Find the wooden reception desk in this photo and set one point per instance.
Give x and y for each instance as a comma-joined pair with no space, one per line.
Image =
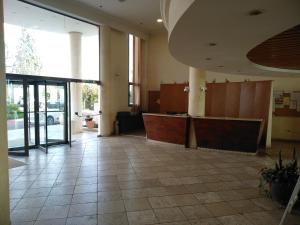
167,128
233,134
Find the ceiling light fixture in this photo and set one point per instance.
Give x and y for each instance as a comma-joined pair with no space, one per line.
255,12
159,20
207,59
212,44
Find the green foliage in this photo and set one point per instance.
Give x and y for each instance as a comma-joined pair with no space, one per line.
89,96
280,174
14,112
26,60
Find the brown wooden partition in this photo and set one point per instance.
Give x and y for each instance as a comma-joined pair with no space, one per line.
173,99
228,133
249,100
154,101
167,128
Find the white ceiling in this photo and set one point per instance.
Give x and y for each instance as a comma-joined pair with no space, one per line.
28,16
234,32
142,13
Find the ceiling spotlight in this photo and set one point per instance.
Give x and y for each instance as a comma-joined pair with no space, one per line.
255,12
207,59
212,44
159,20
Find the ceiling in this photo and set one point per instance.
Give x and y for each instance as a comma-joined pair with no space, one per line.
142,13
219,38
28,16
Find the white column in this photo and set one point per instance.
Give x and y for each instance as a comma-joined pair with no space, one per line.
197,82
4,193
75,50
106,120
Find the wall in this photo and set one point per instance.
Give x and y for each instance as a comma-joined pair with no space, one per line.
119,71
4,194
163,68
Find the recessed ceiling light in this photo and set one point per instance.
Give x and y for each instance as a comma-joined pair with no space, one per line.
208,59
220,66
212,44
255,12
159,20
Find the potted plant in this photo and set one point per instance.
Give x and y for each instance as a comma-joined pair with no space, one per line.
279,182
89,122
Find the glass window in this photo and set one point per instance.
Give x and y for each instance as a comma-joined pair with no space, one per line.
41,42
134,70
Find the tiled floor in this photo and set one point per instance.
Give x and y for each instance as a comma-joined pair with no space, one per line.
127,180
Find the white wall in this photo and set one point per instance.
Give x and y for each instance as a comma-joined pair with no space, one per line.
163,68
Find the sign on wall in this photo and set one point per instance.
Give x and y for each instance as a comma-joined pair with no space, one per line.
286,103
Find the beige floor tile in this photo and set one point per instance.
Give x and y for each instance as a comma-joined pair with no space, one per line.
162,202
141,217
111,207
265,203
137,204
196,188
196,212
244,206
230,195
169,215
208,197
220,209
234,220
208,221
113,219
186,199
261,218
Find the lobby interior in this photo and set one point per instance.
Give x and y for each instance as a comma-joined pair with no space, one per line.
190,100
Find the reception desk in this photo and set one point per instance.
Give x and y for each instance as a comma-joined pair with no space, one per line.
233,134
167,128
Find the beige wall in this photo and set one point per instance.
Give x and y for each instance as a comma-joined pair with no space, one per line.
4,194
119,71
163,68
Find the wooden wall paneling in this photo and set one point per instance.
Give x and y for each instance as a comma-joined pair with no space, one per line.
247,100
208,99
153,101
218,99
232,103
280,51
173,99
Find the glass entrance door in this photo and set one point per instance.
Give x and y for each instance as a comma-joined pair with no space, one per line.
41,114
56,115
16,117
51,114
37,113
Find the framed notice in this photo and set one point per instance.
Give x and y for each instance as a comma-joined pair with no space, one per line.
286,103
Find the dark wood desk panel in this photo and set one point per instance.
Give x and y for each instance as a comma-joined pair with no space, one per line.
228,133
167,128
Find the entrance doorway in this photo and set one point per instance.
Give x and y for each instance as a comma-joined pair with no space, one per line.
37,114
